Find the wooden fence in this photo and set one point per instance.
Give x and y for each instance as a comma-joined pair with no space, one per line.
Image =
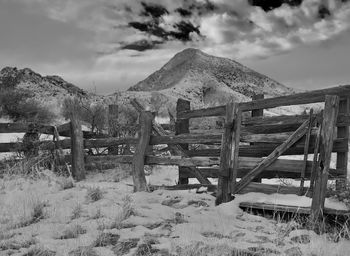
245,147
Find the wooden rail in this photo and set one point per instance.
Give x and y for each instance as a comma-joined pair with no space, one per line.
294,99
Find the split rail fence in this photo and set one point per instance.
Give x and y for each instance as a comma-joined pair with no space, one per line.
245,149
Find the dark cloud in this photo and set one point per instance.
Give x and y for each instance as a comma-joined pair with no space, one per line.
269,5
183,12
142,45
323,12
151,28
153,10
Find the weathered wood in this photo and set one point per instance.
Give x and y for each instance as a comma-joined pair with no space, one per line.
279,169
23,128
182,126
112,127
315,165
343,132
177,149
229,153
306,153
186,139
257,113
77,149
108,142
138,162
288,208
327,137
297,99
252,187
273,156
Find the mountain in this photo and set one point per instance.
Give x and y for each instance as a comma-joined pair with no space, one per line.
42,86
208,80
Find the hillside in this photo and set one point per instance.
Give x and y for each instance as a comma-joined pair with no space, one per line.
49,90
209,81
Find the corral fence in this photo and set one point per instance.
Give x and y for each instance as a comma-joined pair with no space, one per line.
241,151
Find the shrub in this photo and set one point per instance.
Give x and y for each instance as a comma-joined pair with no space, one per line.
39,251
77,211
94,194
83,251
20,106
73,232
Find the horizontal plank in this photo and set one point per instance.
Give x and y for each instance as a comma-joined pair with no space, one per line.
24,127
297,98
340,145
267,174
294,99
289,208
186,138
252,187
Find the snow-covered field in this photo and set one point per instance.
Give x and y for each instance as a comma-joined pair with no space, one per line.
102,216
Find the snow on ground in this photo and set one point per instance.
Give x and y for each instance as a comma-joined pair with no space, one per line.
120,222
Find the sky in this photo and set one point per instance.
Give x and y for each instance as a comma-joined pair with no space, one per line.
106,46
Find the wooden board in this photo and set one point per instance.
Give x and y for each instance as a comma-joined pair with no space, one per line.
288,208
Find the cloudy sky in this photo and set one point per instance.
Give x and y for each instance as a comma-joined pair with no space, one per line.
109,45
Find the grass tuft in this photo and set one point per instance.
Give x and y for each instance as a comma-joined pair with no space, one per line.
94,194
83,251
39,251
73,232
106,239
77,211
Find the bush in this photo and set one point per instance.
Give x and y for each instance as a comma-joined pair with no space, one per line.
94,194
93,114
20,106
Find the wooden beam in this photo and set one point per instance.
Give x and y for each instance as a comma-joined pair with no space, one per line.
289,208
294,99
23,128
138,162
77,149
229,153
327,136
343,132
273,156
182,126
306,153
297,99
177,149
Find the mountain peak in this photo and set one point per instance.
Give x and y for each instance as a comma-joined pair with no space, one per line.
200,77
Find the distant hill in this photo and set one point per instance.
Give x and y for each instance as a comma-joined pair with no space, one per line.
208,80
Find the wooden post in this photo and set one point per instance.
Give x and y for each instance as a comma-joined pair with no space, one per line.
306,153
342,157
327,136
182,126
138,162
77,149
229,153
112,121
257,112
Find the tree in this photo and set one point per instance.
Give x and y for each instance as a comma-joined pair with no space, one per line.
22,107
93,114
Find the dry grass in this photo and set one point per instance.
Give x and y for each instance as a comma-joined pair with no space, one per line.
77,211
72,232
37,213
106,239
39,251
126,211
83,251
94,194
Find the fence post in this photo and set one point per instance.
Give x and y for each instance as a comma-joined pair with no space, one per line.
327,136
342,157
77,149
255,113
182,126
112,121
229,153
138,162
